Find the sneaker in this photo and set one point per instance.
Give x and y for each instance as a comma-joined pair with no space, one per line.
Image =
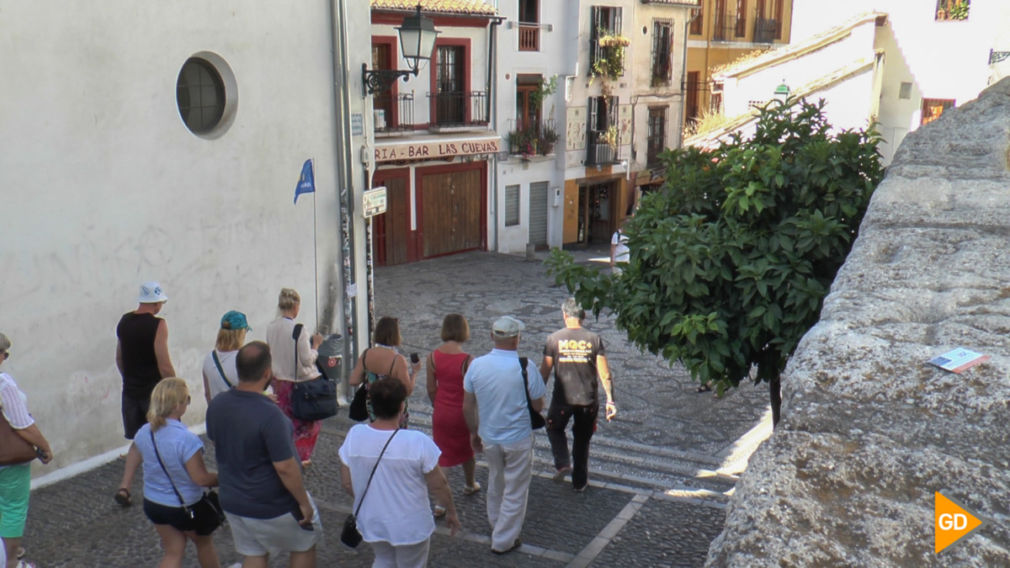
581,489
561,472
24,564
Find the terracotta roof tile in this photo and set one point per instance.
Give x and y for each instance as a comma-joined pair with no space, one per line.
468,7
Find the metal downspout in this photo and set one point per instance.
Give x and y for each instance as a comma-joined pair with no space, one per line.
342,158
492,79
683,81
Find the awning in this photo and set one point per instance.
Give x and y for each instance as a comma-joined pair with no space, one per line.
433,147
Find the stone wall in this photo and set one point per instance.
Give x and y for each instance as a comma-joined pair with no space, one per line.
869,430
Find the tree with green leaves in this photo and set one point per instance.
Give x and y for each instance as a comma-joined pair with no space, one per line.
731,259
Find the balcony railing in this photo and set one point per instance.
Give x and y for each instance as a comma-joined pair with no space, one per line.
765,31
529,37
601,154
729,28
459,108
404,112
530,138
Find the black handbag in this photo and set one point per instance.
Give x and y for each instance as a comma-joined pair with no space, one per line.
206,513
359,407
536,419
350,535
315,399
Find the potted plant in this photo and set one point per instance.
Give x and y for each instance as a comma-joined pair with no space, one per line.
610,63
548,137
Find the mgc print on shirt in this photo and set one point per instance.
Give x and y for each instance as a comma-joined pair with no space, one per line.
574,351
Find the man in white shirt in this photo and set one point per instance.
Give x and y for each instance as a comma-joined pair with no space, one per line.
619,251
494,406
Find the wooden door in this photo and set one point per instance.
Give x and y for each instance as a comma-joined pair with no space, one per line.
451,212
391,230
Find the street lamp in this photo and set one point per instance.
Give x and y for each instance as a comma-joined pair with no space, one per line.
417,39
782,92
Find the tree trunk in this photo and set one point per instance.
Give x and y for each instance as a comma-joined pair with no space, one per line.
775,394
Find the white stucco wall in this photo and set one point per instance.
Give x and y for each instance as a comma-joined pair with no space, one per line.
105,187
548,62
739,90
942,59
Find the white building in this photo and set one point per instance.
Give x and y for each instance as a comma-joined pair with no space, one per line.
151,141
896,64
581,153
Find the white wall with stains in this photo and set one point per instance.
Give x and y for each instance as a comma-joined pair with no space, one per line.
102,186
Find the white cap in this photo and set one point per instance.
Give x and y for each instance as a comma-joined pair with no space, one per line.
151,293
507,326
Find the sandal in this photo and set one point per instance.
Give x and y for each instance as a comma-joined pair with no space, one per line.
471,489
123,497
704,388
439,511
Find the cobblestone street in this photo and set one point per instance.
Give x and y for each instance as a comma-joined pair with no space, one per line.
659,473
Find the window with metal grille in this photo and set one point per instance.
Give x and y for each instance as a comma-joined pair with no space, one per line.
662,42
511,205
199,92
605,20
656,140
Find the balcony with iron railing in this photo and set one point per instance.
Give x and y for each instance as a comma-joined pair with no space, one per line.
532,138
384,118
765,30
729,28
602,148
458,109
529,36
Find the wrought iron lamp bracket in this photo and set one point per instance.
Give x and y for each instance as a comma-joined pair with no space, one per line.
380,80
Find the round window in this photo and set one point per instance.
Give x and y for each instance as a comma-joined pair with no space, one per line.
200,93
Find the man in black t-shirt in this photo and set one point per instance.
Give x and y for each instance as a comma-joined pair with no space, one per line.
578,358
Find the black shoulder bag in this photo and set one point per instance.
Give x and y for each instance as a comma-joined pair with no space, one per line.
350,535
220,369
314,399
206,513
536,419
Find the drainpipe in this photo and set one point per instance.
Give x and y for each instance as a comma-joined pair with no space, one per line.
492,79
344,179
683,79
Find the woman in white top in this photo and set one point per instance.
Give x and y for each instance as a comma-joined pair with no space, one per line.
219,373
394,514
294,360
15,480
182,453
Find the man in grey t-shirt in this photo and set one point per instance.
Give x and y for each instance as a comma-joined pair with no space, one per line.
261,479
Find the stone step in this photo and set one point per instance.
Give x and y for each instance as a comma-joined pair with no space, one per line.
672,471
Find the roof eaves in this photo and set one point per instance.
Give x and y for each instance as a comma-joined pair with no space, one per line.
812,44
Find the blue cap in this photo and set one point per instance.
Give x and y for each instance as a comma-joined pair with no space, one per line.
234,320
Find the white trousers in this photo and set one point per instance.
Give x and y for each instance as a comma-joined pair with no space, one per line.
509,470
402,556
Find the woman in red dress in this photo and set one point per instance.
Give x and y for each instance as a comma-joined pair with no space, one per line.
445,369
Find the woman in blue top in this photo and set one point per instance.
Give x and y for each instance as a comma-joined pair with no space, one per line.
182,453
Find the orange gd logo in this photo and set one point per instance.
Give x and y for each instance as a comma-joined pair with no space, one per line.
951,521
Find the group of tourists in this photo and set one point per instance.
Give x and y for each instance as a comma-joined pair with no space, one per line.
489,404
